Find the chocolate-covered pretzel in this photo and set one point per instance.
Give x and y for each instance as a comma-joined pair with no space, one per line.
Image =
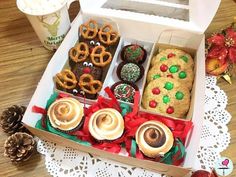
100,57
66,79
89,85
107,35
89,30
79,53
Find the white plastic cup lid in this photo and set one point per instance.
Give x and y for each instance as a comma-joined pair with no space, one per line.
40,7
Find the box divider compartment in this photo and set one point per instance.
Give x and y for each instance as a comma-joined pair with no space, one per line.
190,51
105,69
113,78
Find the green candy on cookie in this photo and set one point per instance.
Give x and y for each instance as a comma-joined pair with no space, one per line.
156,76
174,69
166,99
182,75
179,95
184,58
169,86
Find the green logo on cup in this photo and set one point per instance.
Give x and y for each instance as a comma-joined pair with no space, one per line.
52,27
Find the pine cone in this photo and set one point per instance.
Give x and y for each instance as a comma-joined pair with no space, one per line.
10,119
19,147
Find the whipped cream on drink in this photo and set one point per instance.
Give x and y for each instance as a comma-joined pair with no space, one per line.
40,7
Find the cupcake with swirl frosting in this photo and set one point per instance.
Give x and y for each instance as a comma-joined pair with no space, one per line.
66,114
154,138
106,124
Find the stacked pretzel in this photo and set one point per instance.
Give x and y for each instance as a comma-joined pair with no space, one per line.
87,58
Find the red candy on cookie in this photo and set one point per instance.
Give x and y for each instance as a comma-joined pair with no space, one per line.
170,75
167,96
170,110
153,104
156,91
163,68
171,55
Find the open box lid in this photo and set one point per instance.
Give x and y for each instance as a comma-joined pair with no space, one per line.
191,15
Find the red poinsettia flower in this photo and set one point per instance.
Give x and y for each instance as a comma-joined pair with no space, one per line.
223,46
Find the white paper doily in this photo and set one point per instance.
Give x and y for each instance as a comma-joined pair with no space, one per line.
215,136
67,162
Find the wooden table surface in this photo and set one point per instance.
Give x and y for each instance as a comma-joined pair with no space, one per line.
23,60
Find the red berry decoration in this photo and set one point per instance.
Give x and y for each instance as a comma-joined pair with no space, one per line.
163,68
202,173
171,55
153,104
156,91
86,70
170,75
170,110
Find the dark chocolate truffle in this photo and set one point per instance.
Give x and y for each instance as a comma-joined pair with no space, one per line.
130,72
124,91
134,53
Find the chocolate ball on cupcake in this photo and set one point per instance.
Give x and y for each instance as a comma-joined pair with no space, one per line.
124,91
154,139
106,124
66,114
133,53
130,72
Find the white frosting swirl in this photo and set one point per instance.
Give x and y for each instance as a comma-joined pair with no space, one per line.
106,124
65,113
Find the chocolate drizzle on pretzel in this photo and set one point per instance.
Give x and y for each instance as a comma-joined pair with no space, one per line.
89,30
66,79
100,57
107,35
89,85
79,53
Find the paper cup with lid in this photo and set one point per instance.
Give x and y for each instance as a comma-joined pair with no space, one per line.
49,18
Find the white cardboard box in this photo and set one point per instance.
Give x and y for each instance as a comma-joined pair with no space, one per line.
142,27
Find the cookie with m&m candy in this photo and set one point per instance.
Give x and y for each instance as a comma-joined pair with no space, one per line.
169,54
173,68
166,96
